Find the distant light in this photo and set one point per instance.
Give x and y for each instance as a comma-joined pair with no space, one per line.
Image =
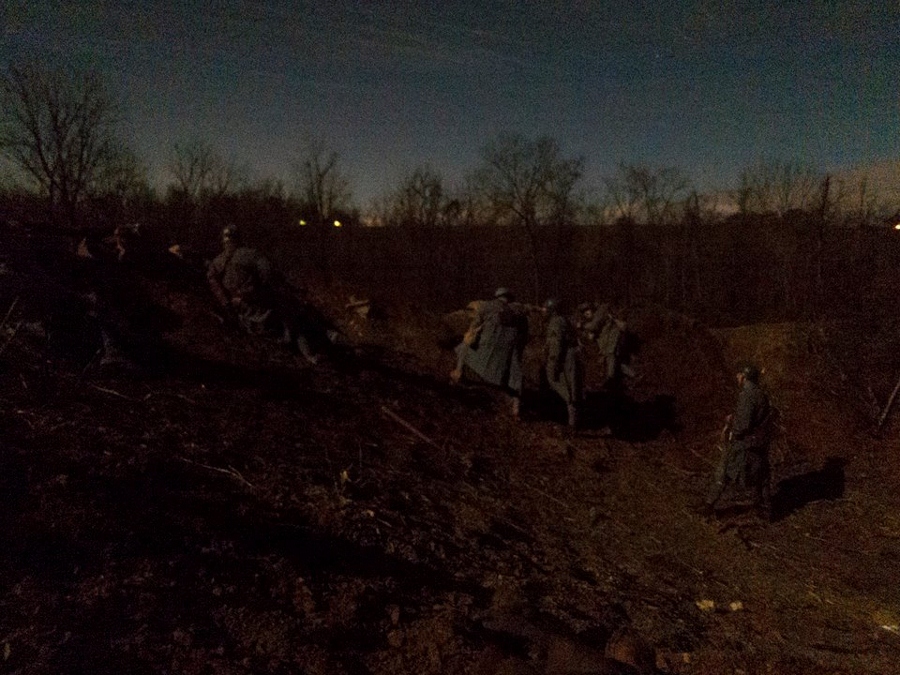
897,226
337,223
302,222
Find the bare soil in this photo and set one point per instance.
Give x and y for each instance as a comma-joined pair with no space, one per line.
218,506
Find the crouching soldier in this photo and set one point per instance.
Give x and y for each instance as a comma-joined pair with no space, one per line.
563,367
492,347
745,458
243,282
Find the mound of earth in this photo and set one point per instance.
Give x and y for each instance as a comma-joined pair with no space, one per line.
222,507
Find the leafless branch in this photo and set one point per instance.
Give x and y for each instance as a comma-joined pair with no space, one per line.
394,416
230,471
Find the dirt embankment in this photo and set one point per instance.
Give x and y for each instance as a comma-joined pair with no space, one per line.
224,508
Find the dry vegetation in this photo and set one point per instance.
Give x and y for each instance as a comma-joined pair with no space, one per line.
220,507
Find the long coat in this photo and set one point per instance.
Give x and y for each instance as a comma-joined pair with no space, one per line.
562,360
606,331
500,331
749,428
748,462
241,278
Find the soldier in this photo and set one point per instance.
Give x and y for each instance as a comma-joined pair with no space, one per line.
243,281
563,366
745,457
492,347
607,331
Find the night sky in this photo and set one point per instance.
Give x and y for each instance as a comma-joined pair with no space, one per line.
708,87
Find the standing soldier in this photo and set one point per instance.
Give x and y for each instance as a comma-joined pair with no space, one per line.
745,458
492,347
607,331
563,367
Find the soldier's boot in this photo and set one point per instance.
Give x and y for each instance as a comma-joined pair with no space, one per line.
573,415
516,407
306,351
456,375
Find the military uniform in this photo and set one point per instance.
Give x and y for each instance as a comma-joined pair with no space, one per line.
745,459
493,345
606,331
563,366
240,278
244,281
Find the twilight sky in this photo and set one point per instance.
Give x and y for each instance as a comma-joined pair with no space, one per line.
708,87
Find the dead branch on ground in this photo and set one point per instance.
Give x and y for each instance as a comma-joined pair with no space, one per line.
113,392
887,408
9,312
402,422
230,471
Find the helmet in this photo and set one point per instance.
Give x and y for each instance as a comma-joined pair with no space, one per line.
551,304
503,292
230,233
750,372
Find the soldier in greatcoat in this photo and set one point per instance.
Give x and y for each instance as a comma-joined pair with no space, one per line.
563,367
493,345
745,456
246,286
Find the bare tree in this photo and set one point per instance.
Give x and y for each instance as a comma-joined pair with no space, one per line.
859,203
419,200
778,187
124,176
322,186
529,184
200,173
58,128
647,195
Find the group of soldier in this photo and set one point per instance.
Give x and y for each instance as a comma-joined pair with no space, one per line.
492,348
251,295
243,283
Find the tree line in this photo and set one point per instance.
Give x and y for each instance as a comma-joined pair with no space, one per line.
773,246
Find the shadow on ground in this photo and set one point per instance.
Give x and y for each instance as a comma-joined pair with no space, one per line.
793,493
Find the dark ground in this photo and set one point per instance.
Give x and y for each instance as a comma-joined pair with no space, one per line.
221,507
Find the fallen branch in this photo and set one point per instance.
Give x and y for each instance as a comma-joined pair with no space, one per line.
230,471
548,496
9,312
168,393
887,408
87,367
399,420
113,392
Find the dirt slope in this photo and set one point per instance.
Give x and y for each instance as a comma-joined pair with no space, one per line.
223,508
